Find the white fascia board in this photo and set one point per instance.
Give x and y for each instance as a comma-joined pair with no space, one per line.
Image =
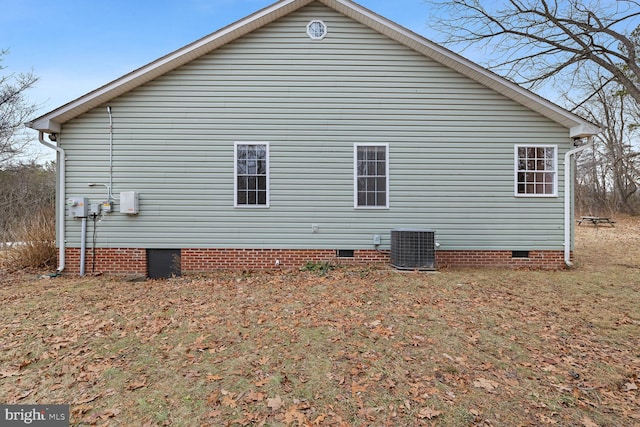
584,131
44,125
464,66
54,119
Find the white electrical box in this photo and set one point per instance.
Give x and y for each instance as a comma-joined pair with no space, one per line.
129,202
78,207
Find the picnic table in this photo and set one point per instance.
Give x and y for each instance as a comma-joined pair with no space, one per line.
595,220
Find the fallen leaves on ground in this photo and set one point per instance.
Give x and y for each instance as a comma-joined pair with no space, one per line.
486,384
351,347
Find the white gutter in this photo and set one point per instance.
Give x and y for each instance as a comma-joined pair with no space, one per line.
61,199
567,199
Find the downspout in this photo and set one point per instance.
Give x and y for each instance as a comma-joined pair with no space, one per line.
567,199
61,199
110,154
83,246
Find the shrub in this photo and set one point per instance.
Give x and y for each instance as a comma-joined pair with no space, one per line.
34,244
322,268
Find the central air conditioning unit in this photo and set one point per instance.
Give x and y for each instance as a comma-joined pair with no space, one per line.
413,249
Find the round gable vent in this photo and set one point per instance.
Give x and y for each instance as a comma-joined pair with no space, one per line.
316,29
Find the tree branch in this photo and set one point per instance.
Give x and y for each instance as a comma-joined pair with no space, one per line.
570,36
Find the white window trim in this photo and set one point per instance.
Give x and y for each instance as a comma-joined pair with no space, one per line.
555,170
355,174
235,175
312,35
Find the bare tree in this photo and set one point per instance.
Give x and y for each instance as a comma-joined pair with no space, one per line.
538,40
15,110
25,188
590,51
611,172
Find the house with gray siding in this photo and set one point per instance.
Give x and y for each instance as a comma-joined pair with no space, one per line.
312,131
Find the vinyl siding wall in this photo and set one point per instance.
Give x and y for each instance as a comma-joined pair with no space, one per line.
450,146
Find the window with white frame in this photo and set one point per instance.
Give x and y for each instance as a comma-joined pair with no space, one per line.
371,175
536,170
251,174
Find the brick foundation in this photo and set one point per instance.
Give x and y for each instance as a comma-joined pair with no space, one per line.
537,260
206,260
134,261
114,261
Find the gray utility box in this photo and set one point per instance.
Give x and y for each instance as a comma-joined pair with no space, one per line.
78,207
129,202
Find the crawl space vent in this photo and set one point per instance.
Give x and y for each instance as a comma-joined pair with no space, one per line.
413,249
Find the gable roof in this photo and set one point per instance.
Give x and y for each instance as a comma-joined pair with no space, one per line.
51,122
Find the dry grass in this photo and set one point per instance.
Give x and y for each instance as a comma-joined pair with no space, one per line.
354,347
35,247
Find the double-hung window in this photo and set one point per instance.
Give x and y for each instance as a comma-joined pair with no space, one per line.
371,175
252,174
536,170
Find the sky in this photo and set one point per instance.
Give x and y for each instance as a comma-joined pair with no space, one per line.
76,46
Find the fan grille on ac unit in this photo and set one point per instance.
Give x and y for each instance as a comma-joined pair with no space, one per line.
413,249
